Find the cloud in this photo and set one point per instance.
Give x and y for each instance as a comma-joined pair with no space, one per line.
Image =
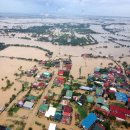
88,7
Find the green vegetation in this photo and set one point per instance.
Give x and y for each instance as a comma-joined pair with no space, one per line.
85,31
47,33
27,38
13,110
34,29
2,46
82,112
8,85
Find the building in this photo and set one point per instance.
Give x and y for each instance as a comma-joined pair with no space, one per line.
28,105
86,88
69,94
99,91
121,97
119,113
67,112
89,121
43,108
98,126
51,112
52,126
90,99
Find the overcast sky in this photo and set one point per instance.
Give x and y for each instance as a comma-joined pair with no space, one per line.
67,7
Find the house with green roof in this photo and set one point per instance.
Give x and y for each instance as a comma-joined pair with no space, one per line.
31,98
90,99
59,108
47,74
43,108
66,87
100,100
99,91
69,94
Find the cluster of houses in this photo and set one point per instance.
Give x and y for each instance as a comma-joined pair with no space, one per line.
65,63
60,113
108,84
28,102
63,73
42,80
50,63
31,72
127,71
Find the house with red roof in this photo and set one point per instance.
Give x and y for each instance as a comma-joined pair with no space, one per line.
67,112
38,85
105,112
119,113
61,72
60,80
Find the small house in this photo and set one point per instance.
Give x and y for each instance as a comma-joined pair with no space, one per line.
98,126
50,112
61,72
121,97
86,88
31,98
89,121
67,111
65,102
69,94
99,91
66,87
90,99
28,105
43,108
58,116
100,100
52,126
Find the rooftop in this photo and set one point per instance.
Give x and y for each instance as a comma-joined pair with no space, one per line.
89,121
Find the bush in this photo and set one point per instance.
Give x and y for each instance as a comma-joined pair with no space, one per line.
125,123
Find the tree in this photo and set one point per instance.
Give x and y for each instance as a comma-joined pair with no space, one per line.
112,96
112,118
107,125
30,128
125,123
63,129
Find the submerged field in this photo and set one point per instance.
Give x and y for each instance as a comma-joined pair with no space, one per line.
24,53
7,71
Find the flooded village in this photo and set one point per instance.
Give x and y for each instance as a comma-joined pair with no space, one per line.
48,83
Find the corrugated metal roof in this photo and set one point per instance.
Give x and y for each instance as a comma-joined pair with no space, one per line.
43,107
121,96
90,99
89,120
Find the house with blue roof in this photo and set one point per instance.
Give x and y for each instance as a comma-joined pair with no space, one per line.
89,121
121,97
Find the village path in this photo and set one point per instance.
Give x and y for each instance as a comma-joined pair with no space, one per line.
32,116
